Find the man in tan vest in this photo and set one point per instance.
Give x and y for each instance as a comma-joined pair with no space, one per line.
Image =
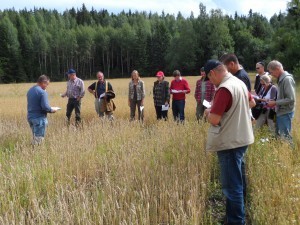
229,135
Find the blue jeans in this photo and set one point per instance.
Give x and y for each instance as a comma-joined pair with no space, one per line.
178,109
38,126
232,177
284,126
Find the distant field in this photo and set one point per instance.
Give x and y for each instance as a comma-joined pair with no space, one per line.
131,173
14,98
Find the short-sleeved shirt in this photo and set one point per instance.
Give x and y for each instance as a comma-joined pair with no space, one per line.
223,101
75,88
101,86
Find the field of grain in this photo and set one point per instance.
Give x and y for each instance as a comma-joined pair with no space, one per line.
131,173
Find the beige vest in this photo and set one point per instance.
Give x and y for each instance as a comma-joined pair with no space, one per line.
235,128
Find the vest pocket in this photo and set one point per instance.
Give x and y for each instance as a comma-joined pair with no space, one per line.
215,129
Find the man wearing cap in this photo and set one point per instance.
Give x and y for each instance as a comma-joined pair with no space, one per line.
161,96
179,88
103,91
229,135
204,91
75,92
37,109
285,103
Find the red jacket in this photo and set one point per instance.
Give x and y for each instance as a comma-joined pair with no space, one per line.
179,85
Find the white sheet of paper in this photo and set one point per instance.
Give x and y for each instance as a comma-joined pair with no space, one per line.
55,108
164,107
102,95
141,108
206,104
176,91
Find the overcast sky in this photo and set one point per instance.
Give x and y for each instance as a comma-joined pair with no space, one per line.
266,7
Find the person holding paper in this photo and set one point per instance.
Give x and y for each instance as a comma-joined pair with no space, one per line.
179,88
285,102
161,96
204,91
229,135
136,96
75,92
267,93
37,109
99,90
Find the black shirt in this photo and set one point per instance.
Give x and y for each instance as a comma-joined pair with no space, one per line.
243,76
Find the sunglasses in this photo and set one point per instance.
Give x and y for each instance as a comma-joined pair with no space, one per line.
257,68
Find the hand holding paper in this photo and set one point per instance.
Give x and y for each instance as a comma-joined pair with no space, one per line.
206,104
165,107
55,108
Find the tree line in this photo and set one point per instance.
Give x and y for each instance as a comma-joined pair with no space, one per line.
40,41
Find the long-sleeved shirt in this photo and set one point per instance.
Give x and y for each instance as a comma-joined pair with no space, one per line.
75,88
286,95
37,103
161,93
176,88
204,90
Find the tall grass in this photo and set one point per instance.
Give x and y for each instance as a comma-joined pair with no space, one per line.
127,172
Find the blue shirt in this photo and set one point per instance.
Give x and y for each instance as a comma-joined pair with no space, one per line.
37,103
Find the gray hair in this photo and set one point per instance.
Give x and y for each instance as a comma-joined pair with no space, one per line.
266,79
43,78
176,73
274,64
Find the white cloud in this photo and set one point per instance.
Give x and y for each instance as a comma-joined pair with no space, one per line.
266,7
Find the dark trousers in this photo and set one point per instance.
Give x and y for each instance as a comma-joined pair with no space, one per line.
178,109
200,110
161,114
133,105
73,104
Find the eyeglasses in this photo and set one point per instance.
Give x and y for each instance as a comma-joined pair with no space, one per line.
257,68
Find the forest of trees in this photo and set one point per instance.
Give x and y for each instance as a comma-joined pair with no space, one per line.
40,41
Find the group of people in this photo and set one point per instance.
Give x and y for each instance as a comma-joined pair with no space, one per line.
224,84
231,130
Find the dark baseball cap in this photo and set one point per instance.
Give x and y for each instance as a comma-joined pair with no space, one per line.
211,64
71,71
